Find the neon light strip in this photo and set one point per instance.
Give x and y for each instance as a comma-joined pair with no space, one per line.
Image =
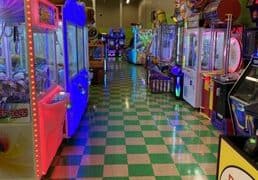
34,112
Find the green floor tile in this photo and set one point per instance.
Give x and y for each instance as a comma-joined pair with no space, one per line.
133,134
131,122
161,158
162,122
193,122
144,117
98,134
130,113
99,122
136,149
101,113
211,177
115,159
142,109
115,128
168,178
94,150
116,178
115,141
189,169
115,118
205,158
157,113
213,147
140,170
192,140
177,149
90,171
148,128
154,141
204,133
168,134
115,109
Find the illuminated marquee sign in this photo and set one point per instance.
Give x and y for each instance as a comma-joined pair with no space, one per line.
44,14
47,14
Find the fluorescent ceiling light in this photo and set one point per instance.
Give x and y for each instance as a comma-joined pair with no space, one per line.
127,1
251,79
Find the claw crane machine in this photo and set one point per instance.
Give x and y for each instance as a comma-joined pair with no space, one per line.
213,51
220,116
33,105
192,69
73,61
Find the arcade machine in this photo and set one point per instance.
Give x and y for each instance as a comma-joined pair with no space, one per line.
73,65
223,83
116,42
232,65
243,96
97,59
193,66
176,71
213,56
139,44
167,44
33,105
242,148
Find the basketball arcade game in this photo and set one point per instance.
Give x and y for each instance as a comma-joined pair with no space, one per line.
75,39
33,105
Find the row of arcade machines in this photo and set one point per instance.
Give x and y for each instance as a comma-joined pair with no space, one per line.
204,60
43,81
242,107
200,77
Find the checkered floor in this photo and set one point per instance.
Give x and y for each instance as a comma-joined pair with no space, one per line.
129,133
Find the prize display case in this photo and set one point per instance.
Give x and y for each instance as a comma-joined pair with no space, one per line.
33,105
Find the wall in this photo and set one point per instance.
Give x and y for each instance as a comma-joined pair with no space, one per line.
107,13
147,6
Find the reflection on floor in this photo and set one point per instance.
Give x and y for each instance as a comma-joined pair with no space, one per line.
129,133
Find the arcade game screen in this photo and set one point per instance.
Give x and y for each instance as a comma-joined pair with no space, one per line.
247,89
44,61
71,42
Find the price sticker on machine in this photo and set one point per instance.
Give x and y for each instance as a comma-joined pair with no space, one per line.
14,113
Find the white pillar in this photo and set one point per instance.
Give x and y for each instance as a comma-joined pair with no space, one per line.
121,13
94,8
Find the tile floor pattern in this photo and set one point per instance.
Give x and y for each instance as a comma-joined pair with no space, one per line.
129,133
